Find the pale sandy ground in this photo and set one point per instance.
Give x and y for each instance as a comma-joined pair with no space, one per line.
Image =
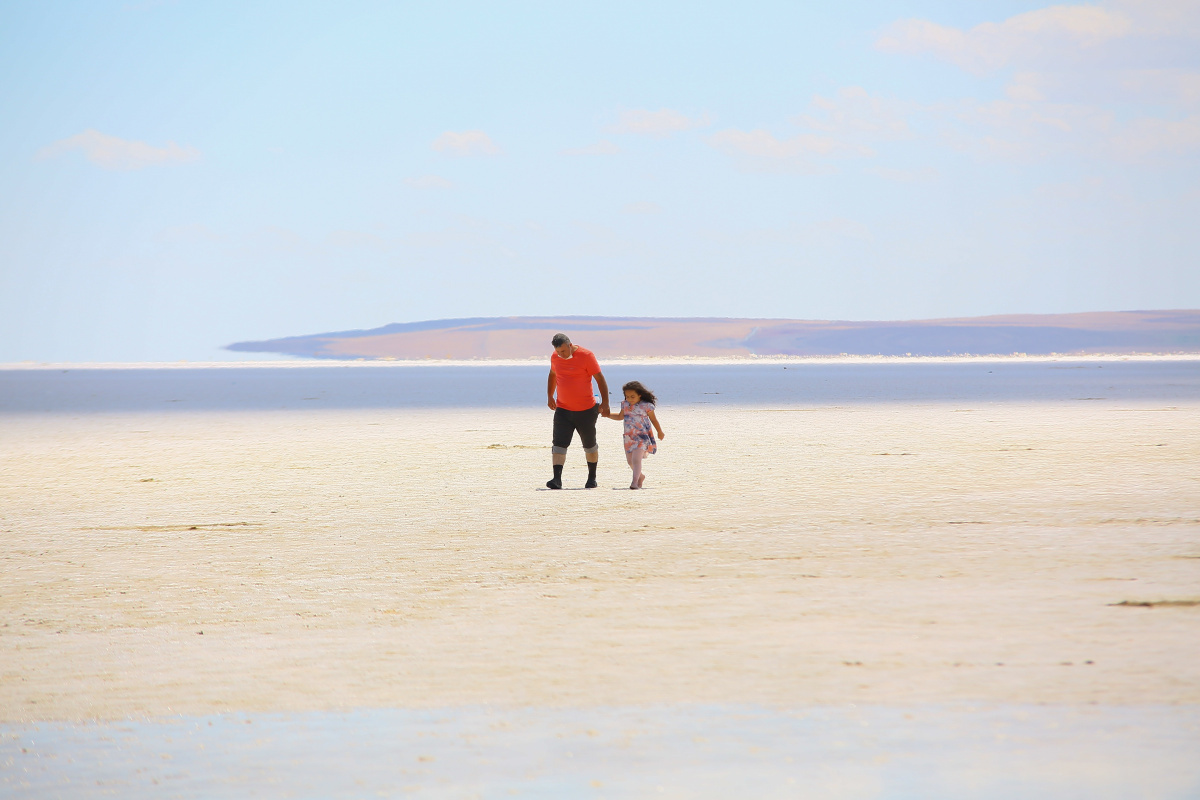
196,563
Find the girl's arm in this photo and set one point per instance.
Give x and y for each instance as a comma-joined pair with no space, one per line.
657,427
618,414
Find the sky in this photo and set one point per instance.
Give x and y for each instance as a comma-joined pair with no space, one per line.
178,176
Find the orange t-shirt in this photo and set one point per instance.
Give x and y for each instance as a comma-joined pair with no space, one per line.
573,377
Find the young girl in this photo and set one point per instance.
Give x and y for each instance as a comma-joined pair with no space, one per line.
637,409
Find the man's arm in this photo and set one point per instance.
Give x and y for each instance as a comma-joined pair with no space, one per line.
603,384
551,382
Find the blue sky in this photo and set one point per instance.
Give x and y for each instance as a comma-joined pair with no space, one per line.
177,176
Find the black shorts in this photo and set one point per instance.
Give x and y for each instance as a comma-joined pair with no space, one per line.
567,422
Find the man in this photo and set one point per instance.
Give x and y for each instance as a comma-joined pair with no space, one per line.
571,371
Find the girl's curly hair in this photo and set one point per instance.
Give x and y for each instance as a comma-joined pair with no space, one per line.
644,393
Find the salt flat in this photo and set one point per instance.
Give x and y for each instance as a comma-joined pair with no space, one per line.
901,554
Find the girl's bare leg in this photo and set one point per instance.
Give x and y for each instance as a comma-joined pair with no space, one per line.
635,461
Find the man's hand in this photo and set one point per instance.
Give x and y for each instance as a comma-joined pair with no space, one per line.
553,405
602,385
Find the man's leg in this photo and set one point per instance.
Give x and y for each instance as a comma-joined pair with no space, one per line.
587,436
564,430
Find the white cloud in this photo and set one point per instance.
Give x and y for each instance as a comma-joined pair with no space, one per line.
990,46
1176,87
853,112
465,143
1034,118
1114,80
837,127
659,124
1025,130
642,207
1124,50
1162,18
1148,88
762,150
600,148
1149,136
903,175
1036,130
113,153
429,182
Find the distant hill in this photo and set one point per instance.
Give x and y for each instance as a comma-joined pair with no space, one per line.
524,337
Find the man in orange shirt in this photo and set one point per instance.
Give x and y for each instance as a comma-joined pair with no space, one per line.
572,369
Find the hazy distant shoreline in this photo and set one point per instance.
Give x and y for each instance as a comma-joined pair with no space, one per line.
308,363
678,382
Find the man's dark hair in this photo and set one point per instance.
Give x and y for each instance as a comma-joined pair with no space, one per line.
560,339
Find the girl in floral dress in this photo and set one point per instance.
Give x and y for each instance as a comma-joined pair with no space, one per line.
637,409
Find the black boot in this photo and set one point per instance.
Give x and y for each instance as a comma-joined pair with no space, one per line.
591,481
556,481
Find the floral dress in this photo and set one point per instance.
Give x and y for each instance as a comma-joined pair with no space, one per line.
639,433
